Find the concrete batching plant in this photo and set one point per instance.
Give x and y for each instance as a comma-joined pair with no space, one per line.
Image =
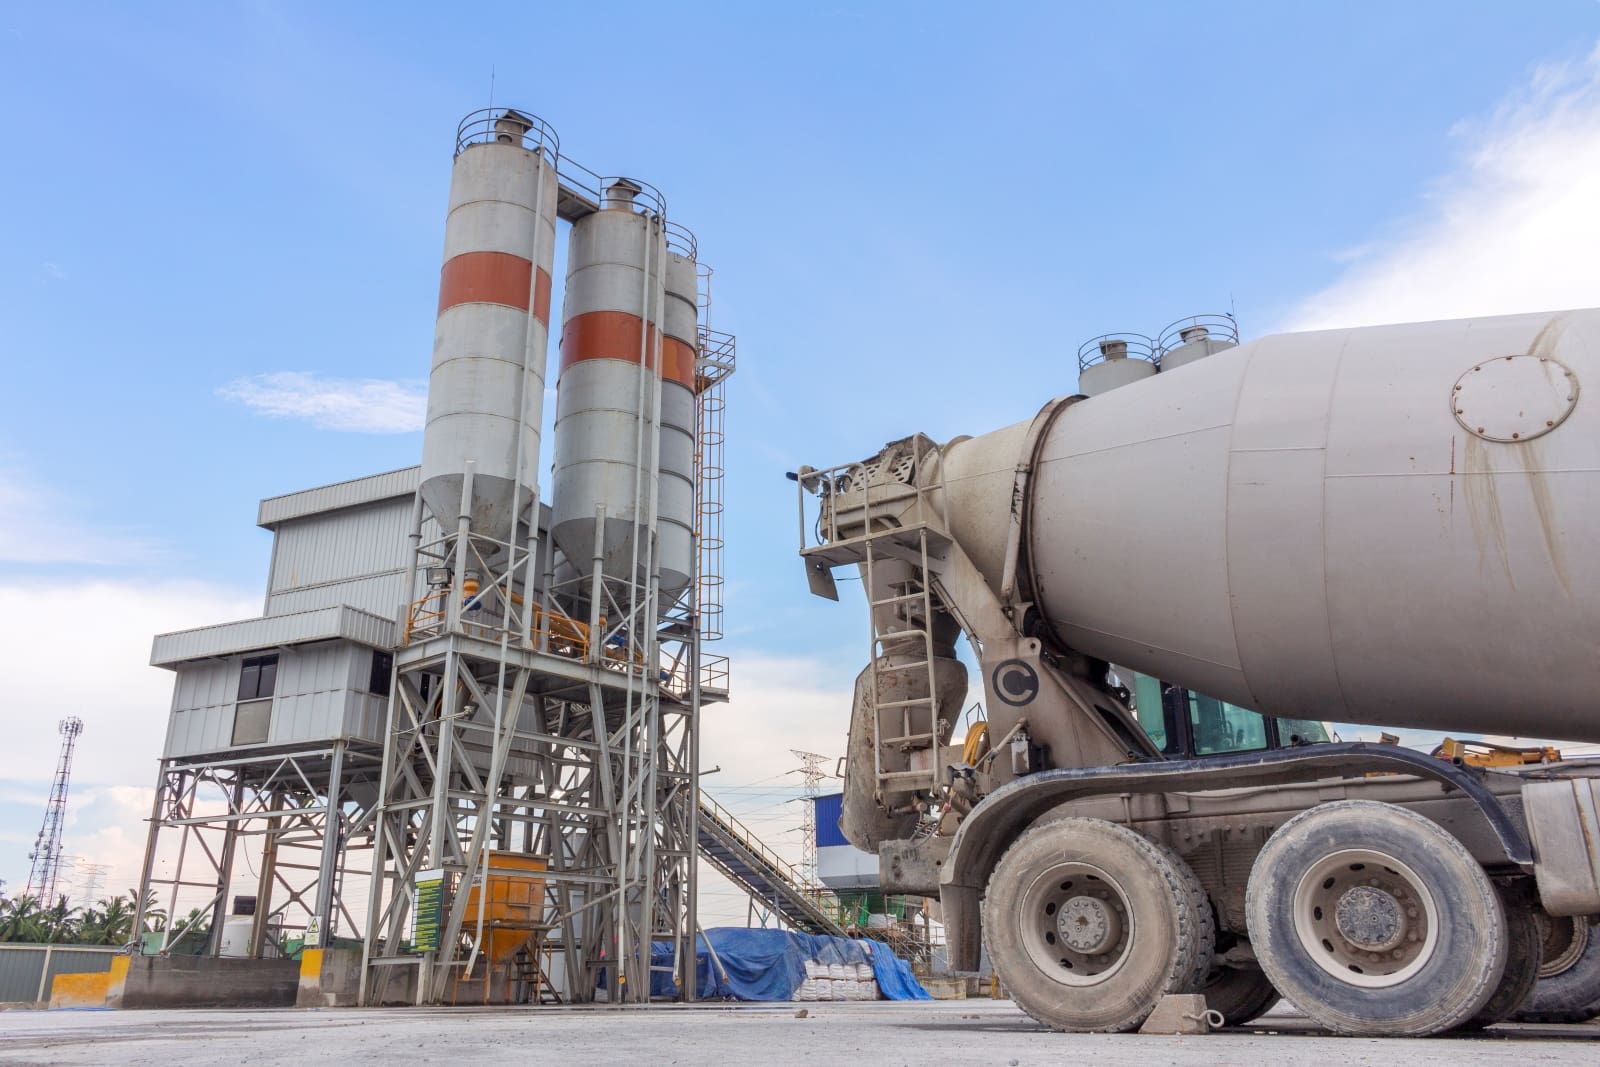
481,709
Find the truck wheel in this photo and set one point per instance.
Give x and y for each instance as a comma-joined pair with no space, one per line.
1241,994
1523,948
1374,921
1568,990
1089,924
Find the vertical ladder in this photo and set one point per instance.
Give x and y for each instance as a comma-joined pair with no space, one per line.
909,724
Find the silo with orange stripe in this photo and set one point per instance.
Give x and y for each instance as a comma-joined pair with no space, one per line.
625,280
486,391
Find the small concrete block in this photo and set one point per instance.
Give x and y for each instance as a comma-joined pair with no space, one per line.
1179,1013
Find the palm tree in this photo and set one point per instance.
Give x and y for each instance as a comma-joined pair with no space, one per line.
59,924
20,919
155,917
109,924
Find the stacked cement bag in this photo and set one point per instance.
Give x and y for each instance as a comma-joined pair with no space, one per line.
817,984
837,981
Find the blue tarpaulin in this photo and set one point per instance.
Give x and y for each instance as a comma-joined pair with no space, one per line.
771,964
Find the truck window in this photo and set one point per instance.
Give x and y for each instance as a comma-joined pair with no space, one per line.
1222,727
1302,732
1147,706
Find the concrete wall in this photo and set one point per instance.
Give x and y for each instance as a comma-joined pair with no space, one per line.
202,982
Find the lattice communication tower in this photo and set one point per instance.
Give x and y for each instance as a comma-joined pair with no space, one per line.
46,854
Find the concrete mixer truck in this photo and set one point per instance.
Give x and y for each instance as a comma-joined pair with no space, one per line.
1393,526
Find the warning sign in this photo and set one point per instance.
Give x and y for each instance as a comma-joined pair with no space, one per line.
429,911
313,938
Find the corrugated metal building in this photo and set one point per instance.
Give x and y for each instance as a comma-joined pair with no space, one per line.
315,667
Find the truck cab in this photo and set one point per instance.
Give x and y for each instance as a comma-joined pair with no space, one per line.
1185,724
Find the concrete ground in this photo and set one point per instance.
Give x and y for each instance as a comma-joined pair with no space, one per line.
881,1034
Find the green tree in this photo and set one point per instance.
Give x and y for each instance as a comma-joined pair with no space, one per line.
155,916
111,923
20,919
59,922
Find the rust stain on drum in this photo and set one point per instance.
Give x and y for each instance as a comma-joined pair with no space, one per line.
1483,505
1544,506
1548,337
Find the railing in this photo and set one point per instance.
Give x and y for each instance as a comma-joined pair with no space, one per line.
819,896
829,484
617,192
1222,328
1136,346
508,126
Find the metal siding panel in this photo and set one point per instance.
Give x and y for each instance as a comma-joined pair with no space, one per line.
20,967
365,716
380,595
202,706
353,543
272,631
354,493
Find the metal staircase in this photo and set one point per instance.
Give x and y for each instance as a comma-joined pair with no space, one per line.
736,852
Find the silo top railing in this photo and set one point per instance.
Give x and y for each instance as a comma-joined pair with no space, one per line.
499,125
1222,328
1138,346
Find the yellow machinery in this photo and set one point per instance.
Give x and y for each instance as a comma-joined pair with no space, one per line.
511,954
1490,754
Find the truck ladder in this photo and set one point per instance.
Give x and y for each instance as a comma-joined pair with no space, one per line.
909,724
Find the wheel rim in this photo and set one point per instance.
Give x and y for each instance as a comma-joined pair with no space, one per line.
1365,918
1076,924
1564,943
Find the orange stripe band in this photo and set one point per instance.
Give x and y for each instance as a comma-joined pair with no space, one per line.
493,278
616,335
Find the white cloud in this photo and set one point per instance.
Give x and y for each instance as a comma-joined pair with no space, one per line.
40,527
357,405
1514,228
55,272
778,703
108,683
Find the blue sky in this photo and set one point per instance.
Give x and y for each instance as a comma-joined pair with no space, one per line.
916,213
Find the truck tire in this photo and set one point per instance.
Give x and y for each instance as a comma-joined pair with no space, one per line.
1374,921
1089,924
1568,990
1240,994
1523,947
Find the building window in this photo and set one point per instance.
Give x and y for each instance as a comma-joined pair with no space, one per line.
258,677
382,667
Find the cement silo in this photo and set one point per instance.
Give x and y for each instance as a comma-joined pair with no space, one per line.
627,277
486,390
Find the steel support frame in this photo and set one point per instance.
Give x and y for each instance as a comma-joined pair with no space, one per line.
489,750
206,811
